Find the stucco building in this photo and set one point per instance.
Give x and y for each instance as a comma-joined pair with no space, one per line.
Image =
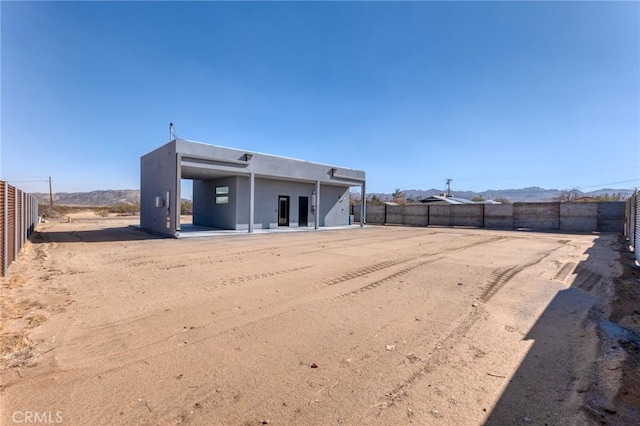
242,190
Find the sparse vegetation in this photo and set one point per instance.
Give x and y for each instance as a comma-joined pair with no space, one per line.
568,195
59,210
575,195
398,196
616,196
186,207
477,199
374,199
503,200
354,197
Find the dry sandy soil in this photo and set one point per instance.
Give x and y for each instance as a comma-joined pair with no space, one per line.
104,324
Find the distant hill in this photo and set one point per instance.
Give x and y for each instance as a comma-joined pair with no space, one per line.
93,198
531,194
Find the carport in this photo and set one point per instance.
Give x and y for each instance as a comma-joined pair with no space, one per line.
240,190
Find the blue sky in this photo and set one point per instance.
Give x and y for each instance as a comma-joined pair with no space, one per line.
494,95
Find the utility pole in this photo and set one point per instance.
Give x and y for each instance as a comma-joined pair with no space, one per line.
50,196
449,187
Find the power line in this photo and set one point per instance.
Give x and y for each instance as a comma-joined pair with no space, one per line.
610,183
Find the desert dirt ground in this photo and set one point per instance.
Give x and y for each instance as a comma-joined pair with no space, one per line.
105,324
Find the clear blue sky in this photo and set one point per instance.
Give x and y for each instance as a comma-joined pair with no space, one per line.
494,95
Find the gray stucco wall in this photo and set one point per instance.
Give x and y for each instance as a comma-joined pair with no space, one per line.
158,174
206,211
267,192
334,205
270,165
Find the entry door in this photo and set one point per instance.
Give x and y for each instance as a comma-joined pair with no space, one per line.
283,210
303,211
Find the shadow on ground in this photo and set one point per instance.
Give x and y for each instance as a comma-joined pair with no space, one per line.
125,233
579,358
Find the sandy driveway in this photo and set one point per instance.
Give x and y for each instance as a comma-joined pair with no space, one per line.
405,325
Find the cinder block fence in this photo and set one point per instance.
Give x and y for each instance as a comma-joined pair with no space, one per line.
18,218
553,216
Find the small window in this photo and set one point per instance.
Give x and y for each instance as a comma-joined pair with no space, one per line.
222,200
221,190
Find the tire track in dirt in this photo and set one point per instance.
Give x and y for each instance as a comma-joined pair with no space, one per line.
437,357
562,274
130,355
396,274
501,277
367,270
238,280
586,279
373,268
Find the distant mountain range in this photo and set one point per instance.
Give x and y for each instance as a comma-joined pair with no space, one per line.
532,194
93,198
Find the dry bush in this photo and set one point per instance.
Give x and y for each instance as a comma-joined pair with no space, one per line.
16,350
125,209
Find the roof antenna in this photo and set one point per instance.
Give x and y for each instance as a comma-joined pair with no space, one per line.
449,187
172,132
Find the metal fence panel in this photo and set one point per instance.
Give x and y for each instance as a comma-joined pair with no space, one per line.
18,217
3,227
636,224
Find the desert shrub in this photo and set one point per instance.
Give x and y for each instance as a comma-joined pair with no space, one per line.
125,208
186,207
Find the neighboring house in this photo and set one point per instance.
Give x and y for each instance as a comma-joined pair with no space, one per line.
441,199
242,190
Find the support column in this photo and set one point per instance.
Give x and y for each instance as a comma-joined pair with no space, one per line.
252,185
363,204
317,221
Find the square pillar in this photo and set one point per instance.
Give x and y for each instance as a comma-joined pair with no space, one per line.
317,221
252,186
363,204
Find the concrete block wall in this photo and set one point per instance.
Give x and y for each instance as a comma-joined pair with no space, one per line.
467,215
440,215
498,216
415,215
611,216
569,217
395,215
578,217
536,216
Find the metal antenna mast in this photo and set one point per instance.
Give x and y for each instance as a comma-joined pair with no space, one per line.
449,187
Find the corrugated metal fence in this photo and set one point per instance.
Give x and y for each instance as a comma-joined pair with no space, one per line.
18,218
632,222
